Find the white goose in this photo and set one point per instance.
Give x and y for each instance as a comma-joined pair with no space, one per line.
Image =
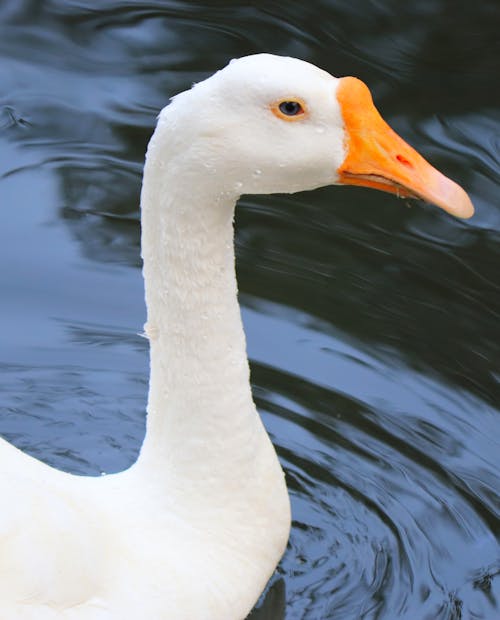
195,528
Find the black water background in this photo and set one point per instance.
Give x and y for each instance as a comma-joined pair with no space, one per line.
372,328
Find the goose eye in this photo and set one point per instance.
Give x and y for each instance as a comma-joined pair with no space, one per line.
290,108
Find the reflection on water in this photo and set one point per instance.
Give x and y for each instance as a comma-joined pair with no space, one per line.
372,327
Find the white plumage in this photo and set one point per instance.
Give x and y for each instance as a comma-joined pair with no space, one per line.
195,528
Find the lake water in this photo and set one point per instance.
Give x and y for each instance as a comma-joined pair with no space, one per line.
373,328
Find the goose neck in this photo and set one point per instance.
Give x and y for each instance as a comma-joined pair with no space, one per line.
200,408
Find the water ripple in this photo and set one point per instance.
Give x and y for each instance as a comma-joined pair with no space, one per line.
372,327
388,515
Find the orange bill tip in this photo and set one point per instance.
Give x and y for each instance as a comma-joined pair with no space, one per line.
377,157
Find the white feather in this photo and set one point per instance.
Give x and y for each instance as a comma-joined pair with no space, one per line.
195,528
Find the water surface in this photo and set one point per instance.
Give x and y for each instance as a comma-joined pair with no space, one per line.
372,327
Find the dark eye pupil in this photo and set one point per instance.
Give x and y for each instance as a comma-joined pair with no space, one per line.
290,108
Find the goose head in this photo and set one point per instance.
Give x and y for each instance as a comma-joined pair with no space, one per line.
267,124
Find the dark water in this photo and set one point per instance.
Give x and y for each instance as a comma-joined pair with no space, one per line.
373,328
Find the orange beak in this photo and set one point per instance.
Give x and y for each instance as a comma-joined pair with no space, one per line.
377,157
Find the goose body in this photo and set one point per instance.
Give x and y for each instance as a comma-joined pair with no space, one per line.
195,528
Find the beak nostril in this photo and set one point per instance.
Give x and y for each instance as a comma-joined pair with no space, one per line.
404,161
